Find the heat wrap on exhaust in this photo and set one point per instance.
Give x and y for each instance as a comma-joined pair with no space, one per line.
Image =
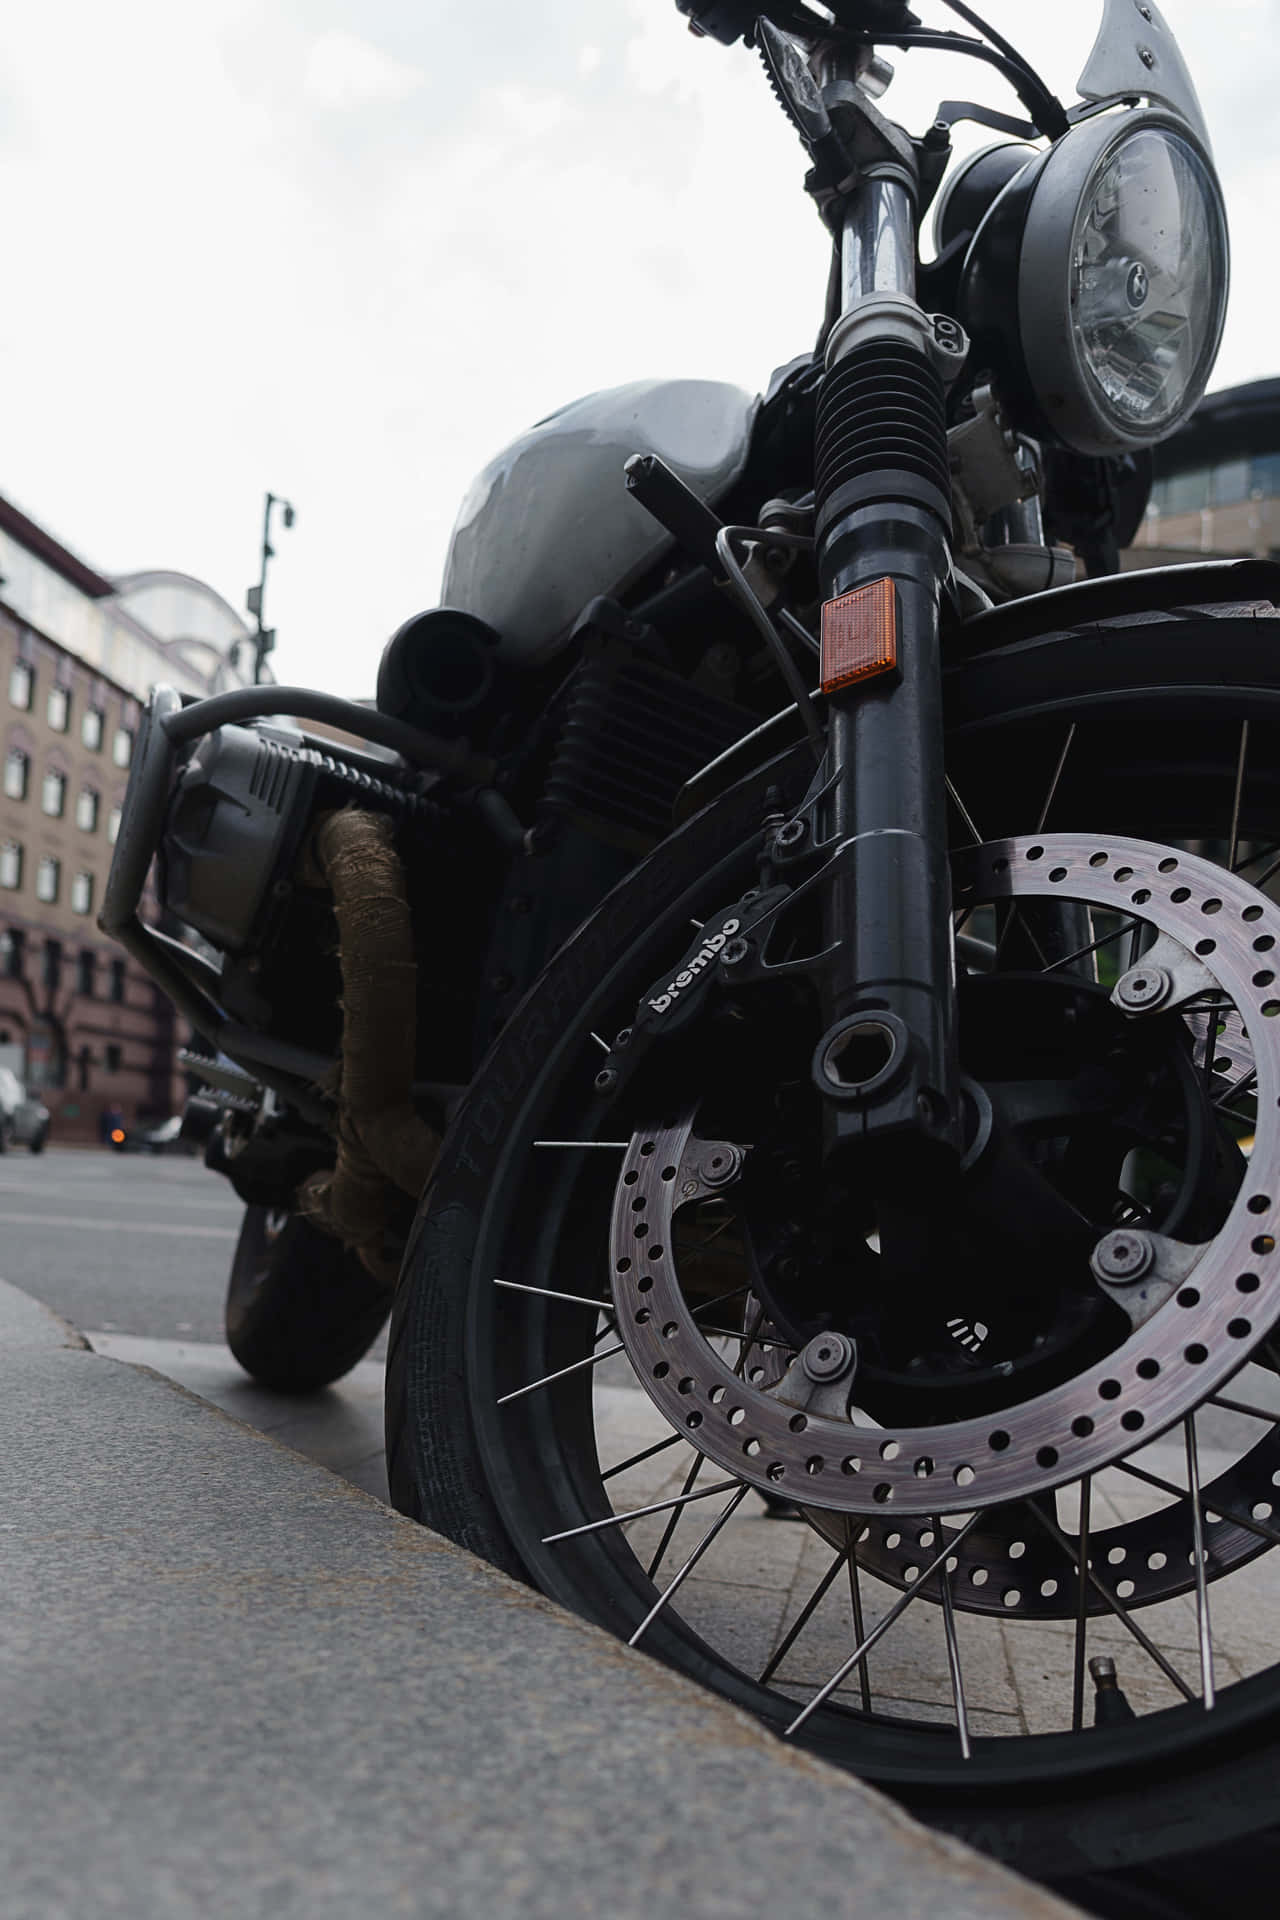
383,1145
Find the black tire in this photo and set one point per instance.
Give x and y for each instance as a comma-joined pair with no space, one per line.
40,1140
300,1310
1162,708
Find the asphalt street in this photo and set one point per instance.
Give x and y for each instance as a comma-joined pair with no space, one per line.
126,1243
134,1250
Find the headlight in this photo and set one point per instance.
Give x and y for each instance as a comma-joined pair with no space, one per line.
1116,243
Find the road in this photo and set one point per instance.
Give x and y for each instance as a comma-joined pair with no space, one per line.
126,1243
134,1251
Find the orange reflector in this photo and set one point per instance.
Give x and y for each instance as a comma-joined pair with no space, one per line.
117,1135
859,635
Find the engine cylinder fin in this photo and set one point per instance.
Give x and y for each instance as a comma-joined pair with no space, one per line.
632,736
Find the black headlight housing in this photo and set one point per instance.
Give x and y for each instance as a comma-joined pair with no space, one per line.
1096,283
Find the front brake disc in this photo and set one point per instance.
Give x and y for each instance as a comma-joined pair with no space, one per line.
1226,1301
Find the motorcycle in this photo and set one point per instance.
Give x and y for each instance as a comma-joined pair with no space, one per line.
782,999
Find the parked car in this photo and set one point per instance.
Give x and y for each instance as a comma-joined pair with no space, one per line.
23,1121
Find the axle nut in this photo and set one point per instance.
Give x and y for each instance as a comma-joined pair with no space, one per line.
1143,988
1123,1256
828,1356
721,1166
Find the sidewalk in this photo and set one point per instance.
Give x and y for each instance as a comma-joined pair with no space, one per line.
236,1684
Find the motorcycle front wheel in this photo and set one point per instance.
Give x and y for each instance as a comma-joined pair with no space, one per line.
1075,1670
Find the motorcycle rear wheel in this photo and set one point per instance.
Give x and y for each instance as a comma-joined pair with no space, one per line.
300,1310
1169,733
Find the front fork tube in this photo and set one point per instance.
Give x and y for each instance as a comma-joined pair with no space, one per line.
887,1061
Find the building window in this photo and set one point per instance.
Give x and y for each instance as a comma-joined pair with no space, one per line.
87,810
10,864
46,1056
113,1056
85,966
117,981
59,709
48,878
17,772
11,947
53,793
82,893
1266,475
122,747
92,722
22,681
1232,482
113,824
52,970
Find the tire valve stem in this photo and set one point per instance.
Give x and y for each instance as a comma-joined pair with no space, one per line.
1110,1707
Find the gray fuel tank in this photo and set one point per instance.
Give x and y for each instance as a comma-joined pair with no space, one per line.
549,523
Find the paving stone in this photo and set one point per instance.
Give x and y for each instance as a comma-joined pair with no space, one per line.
235,1684
740,1621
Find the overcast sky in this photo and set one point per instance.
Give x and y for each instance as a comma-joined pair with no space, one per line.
348,251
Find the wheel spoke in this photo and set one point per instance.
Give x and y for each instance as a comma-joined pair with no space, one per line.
1015,915
719,1301
1270,874
1057,775
859,1630
686,1493
1082,1606
659,1446
531,1386
965,816
721,1520
717,1231
1262,853
1080,1562
953,1646
549,1293
752,1339
1242,1406
1204,1632
1215,1505
1106,939
1238,1092
638,1513
864,1647
804,1616
1239,789
601,1043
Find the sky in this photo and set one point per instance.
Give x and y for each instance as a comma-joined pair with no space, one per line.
346,252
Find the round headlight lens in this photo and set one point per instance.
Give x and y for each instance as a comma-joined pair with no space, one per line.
1148,281
1115,239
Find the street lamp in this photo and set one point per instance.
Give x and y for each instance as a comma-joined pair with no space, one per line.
265,637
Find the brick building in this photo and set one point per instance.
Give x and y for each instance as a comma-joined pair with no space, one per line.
79,1022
